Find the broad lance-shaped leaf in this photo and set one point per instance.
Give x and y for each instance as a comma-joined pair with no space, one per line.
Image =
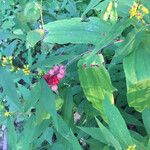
47,101
117,124
111,12
102,134
6,81
76,30
125,48
115,31
53,59
29,135
91,5
68,106
11,134
67,134
148,145
146,119
34,36
137,72
95,80
109,137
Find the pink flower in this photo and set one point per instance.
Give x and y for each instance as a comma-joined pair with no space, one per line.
54,76
54,88
51,72
56,68
60,76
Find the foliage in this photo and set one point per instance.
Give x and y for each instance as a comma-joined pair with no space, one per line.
75,74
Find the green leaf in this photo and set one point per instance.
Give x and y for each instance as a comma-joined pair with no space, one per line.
6,80
106,148
10,48
111,12
33,96
32,11
95,133
94,144
138,144
18,32
95,80
138,140
53,60
146,119
125,48
117,124
91,5
108,136
123,6
34,36
138,137
67,134
67,110
41,114
59,103
8,24
57,146
114,32
47,99
12,137
76,31
48,135
131,119
137,71
29,135
148,145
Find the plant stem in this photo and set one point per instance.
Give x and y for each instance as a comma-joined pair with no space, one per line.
41,14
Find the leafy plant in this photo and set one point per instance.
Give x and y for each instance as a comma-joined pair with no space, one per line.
74,75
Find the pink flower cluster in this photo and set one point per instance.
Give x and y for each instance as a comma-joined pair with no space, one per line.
54,76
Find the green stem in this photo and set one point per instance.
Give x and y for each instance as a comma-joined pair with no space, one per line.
41,14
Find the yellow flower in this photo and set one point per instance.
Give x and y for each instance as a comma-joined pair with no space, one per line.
132,147
133,12
135,6
4,61
139,16
7,114
10,60
145,10
138,11
26,70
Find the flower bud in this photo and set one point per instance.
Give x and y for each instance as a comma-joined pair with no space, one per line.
56,68
60,76
61,71
62,67
51,72
54,88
